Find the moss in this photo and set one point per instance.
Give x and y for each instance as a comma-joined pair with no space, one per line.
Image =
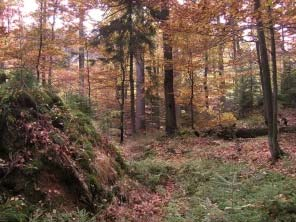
24,99
41,97
151,173
80,130
85,162
57,139
33,168
14,210
21,107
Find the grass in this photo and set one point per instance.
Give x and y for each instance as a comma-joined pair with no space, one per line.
209,190
55,216
151,172
214,191
16,209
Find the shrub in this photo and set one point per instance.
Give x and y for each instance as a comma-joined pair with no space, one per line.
288,89
78,102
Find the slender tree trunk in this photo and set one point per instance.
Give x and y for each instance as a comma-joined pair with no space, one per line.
274,80
170,120
221,71
40,46
252,83
261,79
191,78
43,56
192,99
140,99
205,82
131,71
266,84
122,102
132,95
156,103
88,74
55,7
81,50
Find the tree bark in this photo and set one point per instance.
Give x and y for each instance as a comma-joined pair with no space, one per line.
88,74
40,47
156,100
261,79
170,120
81,50
205,82
266,83
122,102
233,133
43,55
131,71
221,71
274,81
191,78
140,98
55,8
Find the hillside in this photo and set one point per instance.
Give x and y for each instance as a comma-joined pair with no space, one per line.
51,156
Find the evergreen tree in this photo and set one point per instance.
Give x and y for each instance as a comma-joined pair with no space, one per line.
130,24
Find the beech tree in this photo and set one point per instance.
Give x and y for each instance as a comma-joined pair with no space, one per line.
170,108
269,103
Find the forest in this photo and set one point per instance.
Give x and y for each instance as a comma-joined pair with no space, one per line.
147,111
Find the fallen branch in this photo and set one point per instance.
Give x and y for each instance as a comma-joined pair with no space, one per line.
256,132
232,132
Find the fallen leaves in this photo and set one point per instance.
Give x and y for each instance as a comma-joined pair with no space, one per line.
138,204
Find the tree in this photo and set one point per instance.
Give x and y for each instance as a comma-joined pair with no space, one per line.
134,20
81,12
270,106
140,104
274,79
53,36
205,82
170,108
42,25
131,71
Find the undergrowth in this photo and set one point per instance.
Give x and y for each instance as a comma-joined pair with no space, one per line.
47,154
151,172
213,191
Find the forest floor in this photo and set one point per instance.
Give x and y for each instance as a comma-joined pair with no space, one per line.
206,179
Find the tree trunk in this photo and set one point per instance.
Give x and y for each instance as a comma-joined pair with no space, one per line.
221,71
233,133
140,98
55,7
88,74
205,82
40,47
131,71
170,120
191,78
274,81
261,79
156,100
285,69
266,84
43,55
81,50
122,102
